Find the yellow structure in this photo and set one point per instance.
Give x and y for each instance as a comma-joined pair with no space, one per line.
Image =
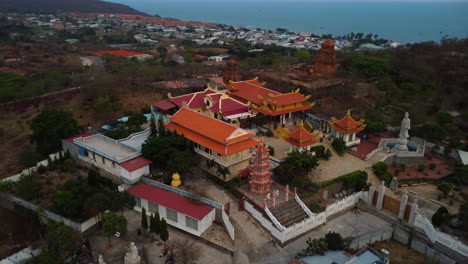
176,182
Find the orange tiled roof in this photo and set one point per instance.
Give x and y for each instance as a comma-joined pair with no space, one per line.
347,124
301,137
211,133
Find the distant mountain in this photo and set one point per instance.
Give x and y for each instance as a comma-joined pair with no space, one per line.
53,6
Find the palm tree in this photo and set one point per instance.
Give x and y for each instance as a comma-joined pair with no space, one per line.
223,171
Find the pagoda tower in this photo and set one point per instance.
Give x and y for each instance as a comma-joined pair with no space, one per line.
325,62
260,171
347,128
231,72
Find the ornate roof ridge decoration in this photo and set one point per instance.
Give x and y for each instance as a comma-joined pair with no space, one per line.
347,124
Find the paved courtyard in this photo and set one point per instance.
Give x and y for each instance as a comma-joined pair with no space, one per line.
348,224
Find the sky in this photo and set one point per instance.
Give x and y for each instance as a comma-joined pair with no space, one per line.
376,1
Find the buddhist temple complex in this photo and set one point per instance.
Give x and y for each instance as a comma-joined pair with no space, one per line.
279,107
216,141
301,139
210,102
231,72
325,62
347,128
260,171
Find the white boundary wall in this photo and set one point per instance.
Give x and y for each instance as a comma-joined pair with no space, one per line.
308,223
436,236
228,224
28,171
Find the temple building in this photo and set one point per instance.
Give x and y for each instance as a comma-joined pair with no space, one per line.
280,108
210,102
260,171
231,72
301,139
221,145
325,62
347,128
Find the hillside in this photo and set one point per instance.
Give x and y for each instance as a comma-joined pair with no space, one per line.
53,6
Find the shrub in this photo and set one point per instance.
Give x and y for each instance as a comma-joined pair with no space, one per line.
446,188
271,150
319,151
356,180
339,145
334,241
28,188
380,168
441,216
421,168
315,208
432,166
327,155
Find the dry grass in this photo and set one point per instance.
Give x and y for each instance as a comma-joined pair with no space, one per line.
399,253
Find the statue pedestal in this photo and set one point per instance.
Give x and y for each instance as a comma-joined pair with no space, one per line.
401,145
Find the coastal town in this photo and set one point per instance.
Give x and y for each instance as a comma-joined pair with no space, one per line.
140,139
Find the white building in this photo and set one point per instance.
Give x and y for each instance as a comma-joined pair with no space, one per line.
121,158
178,210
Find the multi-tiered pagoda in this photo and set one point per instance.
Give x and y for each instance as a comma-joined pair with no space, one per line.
260,171
346,128
231,72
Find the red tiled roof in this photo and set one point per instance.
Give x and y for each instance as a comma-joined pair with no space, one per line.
121,53
164,105
171,200
250,90
269,111
135,164
81,135
229,106
287,99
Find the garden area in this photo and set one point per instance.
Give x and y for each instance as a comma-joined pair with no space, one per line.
69,190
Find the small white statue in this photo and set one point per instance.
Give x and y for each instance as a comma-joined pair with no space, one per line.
132,257
268,196
101,260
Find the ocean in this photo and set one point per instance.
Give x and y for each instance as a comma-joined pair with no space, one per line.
404,22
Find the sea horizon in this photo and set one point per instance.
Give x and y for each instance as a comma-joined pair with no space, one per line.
404,22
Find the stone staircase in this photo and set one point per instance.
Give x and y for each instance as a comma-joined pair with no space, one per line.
289,213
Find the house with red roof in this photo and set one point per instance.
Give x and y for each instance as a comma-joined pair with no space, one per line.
280,108
120,158
210,102
346,128
192,214
221,145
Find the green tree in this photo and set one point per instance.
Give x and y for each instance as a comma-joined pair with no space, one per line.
64,202
334,241
296,165
100,202
339,145
50,127
163,232
303,56
446,188
46,257
60,238
463,215
136,120
156,224
104,106
161,127
144,220
112,224
29,159
153,129
121,201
